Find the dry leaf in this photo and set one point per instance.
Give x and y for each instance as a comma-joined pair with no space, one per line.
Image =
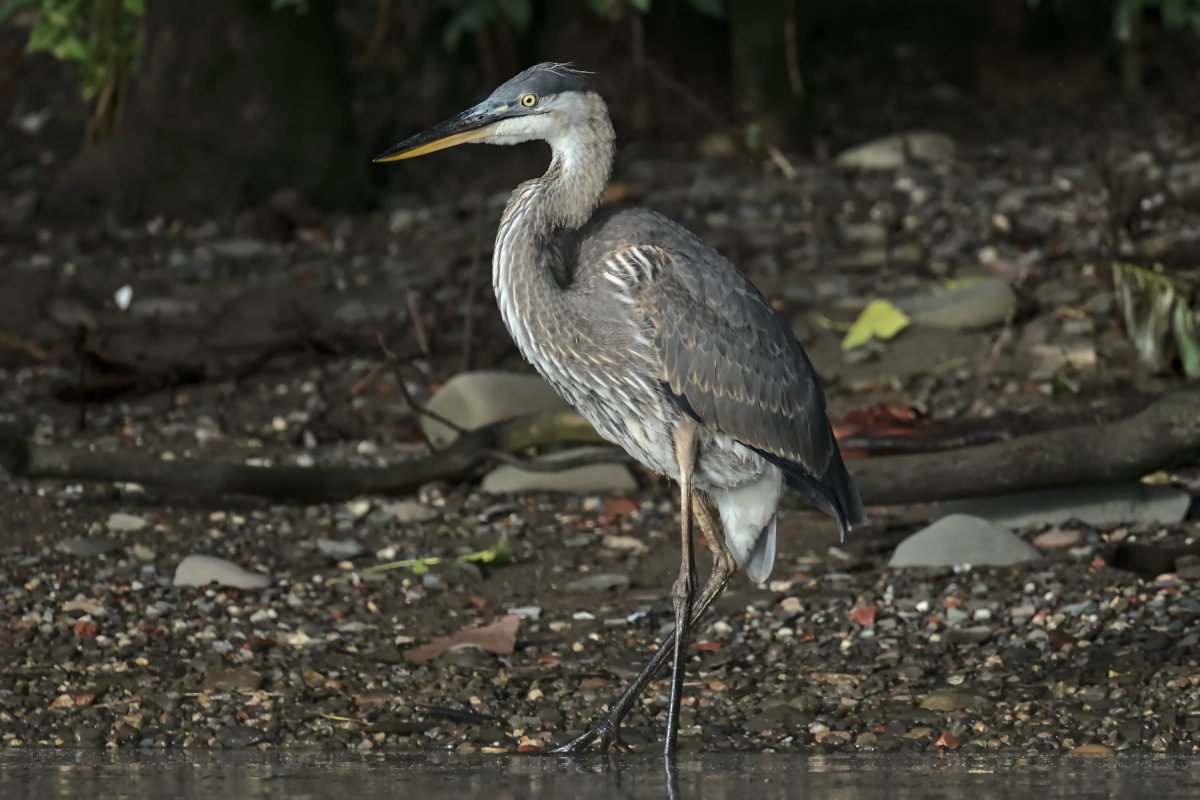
949,741
864,615
500,637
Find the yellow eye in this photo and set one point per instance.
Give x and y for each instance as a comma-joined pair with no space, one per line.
529,100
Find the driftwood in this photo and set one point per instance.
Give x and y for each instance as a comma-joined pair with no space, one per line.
458,461
1165,434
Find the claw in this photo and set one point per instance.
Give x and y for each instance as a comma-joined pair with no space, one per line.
606,734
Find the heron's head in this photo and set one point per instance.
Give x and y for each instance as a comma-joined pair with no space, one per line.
547,102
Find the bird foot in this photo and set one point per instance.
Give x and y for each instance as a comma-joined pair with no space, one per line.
607,734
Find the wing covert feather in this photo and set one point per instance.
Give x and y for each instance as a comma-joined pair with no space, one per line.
726,350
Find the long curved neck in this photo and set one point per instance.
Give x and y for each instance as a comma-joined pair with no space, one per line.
539,210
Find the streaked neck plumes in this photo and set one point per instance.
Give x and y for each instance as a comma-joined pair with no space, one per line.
583,145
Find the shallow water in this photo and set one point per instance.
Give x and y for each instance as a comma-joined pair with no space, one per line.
134,776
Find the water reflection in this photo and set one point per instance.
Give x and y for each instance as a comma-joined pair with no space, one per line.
141,776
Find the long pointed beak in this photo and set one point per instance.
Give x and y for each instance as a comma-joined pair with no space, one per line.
470,126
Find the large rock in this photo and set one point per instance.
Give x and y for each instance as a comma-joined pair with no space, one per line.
897,150
474,399
979,304
587,479
1098,506
960,539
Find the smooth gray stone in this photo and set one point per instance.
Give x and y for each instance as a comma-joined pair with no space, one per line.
960,539
1098,506
200,570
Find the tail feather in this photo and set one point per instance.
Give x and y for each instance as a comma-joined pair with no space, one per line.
833,492
762,555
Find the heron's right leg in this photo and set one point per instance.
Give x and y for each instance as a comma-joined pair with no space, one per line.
606,731
683,593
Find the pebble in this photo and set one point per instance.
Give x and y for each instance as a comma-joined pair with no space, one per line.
408,511
340,549
890,152
201,570
1058,539
237,737
126,522
1093,750
143,553
960,539
629,544
972,635
89,547
953,699
231,679
600,582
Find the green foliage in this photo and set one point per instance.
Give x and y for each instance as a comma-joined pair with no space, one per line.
496,556
1174,13
1159,319
101,37
469,16
615,9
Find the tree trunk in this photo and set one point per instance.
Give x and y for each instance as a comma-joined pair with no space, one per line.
232,101
771,77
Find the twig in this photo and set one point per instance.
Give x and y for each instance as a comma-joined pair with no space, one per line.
792,51
379,34
689,97
361,385
414,312
782,162
416,407
31,349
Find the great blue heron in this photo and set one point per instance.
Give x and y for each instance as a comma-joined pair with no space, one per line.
657,340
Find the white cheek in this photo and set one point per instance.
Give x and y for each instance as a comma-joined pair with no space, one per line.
519,129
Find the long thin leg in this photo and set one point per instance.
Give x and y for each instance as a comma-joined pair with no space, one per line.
684,590
606,730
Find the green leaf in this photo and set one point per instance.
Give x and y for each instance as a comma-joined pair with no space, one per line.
71,49
879,320
641,5
1145,299
470,19
1174,13
602,8
713,8
136,8
519,12
1187,339
11,7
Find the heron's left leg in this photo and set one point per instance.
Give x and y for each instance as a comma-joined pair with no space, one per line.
684,590
723,565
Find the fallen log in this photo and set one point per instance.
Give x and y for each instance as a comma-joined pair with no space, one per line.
1165,434
455,462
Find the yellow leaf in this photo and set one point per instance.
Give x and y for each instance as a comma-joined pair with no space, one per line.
879,320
